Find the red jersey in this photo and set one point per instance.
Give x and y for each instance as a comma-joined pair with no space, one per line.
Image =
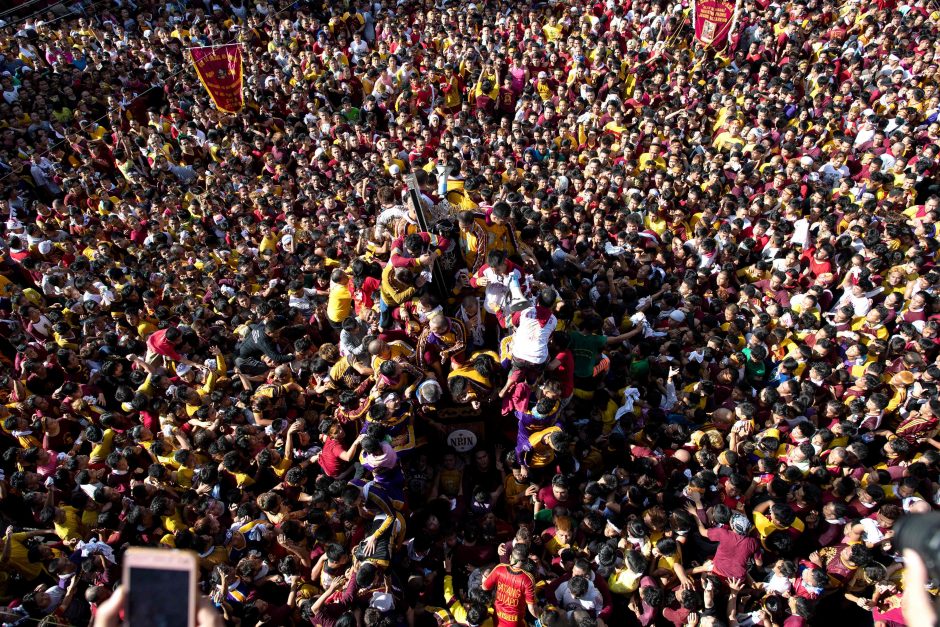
158,343
565,372
514,588
329,459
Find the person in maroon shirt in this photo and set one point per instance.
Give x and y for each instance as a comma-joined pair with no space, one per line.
735,544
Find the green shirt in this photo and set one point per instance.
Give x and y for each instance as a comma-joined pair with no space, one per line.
586,350
640,369
754,371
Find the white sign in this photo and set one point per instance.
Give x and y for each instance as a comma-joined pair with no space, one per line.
462,440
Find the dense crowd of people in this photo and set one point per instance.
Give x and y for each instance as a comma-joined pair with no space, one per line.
479,313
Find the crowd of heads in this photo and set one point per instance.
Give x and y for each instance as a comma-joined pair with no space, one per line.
470,294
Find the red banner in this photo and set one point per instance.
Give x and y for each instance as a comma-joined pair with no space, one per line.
713,20
220,70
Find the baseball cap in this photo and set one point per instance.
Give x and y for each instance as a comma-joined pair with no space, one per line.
740,524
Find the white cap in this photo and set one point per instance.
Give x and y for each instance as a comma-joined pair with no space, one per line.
428,390
45,247
806,161
394,169
182,369
382,601
677,316
543,74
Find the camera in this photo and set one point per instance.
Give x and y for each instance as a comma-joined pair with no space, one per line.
921,534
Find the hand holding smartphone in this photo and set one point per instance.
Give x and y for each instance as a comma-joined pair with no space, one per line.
160,587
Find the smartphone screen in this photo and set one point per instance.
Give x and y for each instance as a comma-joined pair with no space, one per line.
159,597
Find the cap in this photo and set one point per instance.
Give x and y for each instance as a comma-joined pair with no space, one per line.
740,524
905,377
382,601
182,369
429,391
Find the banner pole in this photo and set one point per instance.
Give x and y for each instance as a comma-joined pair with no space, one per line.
734,23
215,46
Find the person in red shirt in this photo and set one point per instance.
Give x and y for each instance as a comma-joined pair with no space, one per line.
514,587
562,365
335,458
817,261
164,343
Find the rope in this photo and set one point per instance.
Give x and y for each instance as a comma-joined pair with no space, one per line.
20,7
35,13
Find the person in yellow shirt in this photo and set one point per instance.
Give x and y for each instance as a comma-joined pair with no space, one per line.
667,562
653,155
871,327
268,240
455,611
103,443
67,522
473,240
339,304
729,138
383,351
781,518
618,126
142,324
552,30
183,475
489,77
500,235
543,87
18,558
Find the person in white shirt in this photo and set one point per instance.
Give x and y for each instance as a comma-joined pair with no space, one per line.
579,594
835,170
866,130
858,297
43,173
44,600
534,326
11,92
502,280
358,48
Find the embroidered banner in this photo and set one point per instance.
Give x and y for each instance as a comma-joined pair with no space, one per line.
220,71
713,20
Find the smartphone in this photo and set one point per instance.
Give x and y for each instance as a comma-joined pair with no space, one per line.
161,587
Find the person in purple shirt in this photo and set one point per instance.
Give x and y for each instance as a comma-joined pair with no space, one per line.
542,416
